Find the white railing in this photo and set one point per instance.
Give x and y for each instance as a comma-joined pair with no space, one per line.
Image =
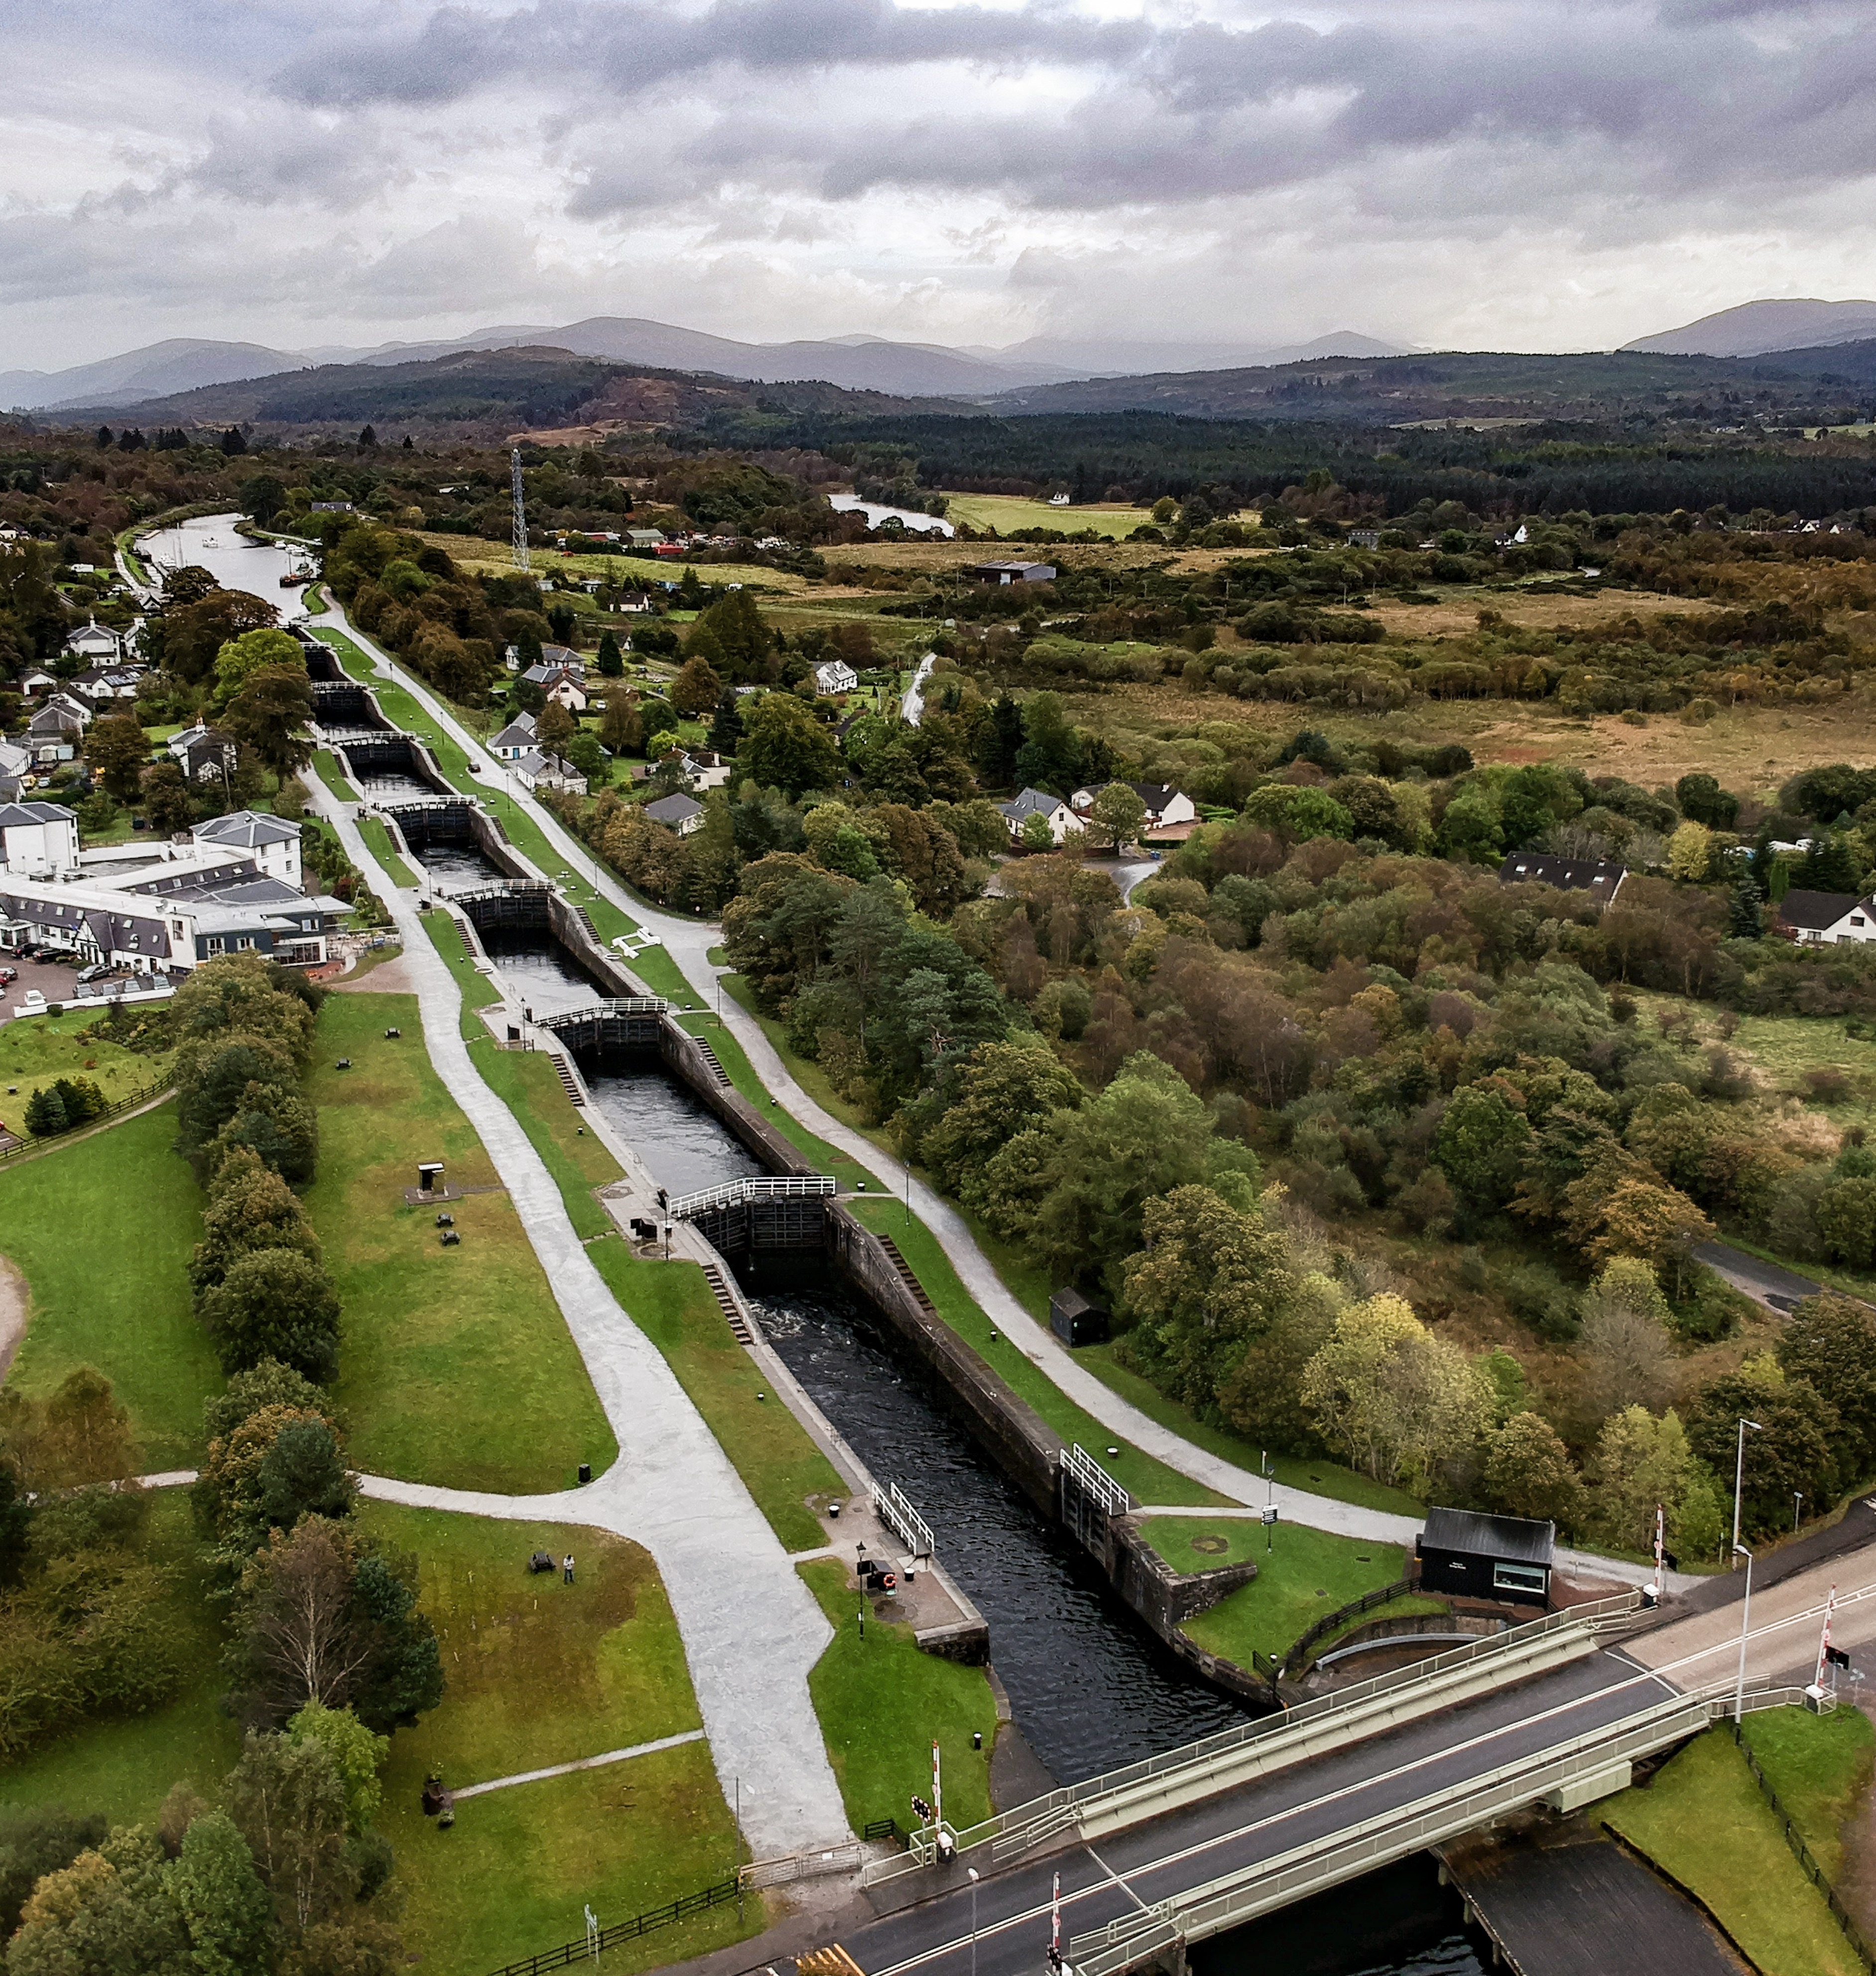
620,1005
1218,1759
891,1506
739,1193
1096,1481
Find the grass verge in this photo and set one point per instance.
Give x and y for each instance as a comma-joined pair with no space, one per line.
457,1366
378,841
326,766
1820,1766
883,1703
477,990
1704,1823
102,1229
1305,1575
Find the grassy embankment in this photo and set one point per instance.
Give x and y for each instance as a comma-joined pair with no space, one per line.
541,1673
378,841
457,1366
1705,1823
39,1050
102,1229
1004,511
471,552
1302,1574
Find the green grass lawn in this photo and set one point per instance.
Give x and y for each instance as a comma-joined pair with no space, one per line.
1016,510
1145,1477
36,1051
1703,1822
123,1766
1305,1575
378,842
527,1083
478,991
1820,1766
326,766
123,1306
882,1704
456,1365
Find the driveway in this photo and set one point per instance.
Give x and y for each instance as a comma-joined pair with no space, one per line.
1768,1283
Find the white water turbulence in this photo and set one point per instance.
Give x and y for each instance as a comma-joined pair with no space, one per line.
209,542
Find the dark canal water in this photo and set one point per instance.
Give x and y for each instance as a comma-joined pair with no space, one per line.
452,867
541,971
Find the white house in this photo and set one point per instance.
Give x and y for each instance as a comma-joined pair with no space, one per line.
1061,820
38,837
536,770
1165,805
678,813
1827,919
835,675
644,538
271,842
564,683
96,642
1004,573
514,740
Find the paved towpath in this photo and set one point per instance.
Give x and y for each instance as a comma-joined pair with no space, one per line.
752,1629
689,942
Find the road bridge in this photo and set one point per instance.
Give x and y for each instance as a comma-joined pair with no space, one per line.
1203,1839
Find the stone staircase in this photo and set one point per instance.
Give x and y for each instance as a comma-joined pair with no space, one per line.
741,1329
569,1082
904,1268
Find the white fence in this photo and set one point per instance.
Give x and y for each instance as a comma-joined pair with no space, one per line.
739,1193
891,1506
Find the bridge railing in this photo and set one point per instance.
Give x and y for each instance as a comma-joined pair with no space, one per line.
1215,1761
761,1186
1596,1758
897,1514
619,1005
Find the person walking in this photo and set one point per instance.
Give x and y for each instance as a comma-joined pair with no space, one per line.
566,1568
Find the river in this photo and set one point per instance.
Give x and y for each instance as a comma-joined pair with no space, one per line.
209,541
851,504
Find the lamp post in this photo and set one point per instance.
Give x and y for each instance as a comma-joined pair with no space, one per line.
973,1871
1746,1621
1739,1477
1797,1503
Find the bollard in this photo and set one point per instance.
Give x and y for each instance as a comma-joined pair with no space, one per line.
586,1471
976,1739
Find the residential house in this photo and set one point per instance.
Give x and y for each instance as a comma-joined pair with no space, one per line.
96,642
1061,819
38,837
15,766
271,842
707,770
1167,807
564,683
102,688
66,708
1012,572
1567,874
514,740
644,538
681,813
634,603
204,754
536,770
1826,919
35,679
835,675
1364,538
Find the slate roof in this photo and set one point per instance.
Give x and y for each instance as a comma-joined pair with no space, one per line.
1567,874
674,810
1816,911
1514,1539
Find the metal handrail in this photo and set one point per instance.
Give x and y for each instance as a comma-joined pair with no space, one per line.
761,1186
1320,1863
1011,1830
893,1509
618,1005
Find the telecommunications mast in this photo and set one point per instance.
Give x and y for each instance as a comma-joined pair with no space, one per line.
520,511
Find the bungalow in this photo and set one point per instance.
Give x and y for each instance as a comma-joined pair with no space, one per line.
272,843
835,675
514,740
1054,811
1567,874
536,770
1827,919
645,538
679,813
1364,538
36,680
1012,572
63,710
38,837
100,687
634,604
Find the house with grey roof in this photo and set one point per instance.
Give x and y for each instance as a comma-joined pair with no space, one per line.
682,814
38,837
1567,874
273,842
1826,919
1061,820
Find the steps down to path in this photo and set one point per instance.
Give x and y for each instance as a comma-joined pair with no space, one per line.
710,1058
569,1082
904,1268
741,1329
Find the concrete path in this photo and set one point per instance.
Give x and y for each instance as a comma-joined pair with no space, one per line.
751,1630
584,1763
689,942
1778,1289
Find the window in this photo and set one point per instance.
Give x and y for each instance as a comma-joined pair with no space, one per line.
1519,1577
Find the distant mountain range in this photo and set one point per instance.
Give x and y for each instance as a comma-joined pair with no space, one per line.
854,362
1757,329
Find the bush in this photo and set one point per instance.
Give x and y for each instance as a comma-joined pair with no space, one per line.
275,1303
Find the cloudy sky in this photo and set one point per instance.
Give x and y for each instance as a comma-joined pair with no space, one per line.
1546,174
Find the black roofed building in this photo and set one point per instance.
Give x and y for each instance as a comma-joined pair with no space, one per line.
1468,1554
1567,874
1826,919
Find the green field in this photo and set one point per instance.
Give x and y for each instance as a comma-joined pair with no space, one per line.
456,1365
1820,1766
1703,1822
883,1703
470,553
37,1053
1004,512
1305,1575
102,1229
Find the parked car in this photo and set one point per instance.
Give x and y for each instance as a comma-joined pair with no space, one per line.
97,971
31,1003
8,974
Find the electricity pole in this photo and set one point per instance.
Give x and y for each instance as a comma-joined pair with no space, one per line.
520,511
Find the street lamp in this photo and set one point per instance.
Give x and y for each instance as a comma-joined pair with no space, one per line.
1739,1475
973,1871
1797,1503
1746,1621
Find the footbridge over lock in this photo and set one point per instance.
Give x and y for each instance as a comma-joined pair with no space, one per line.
1170,1852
